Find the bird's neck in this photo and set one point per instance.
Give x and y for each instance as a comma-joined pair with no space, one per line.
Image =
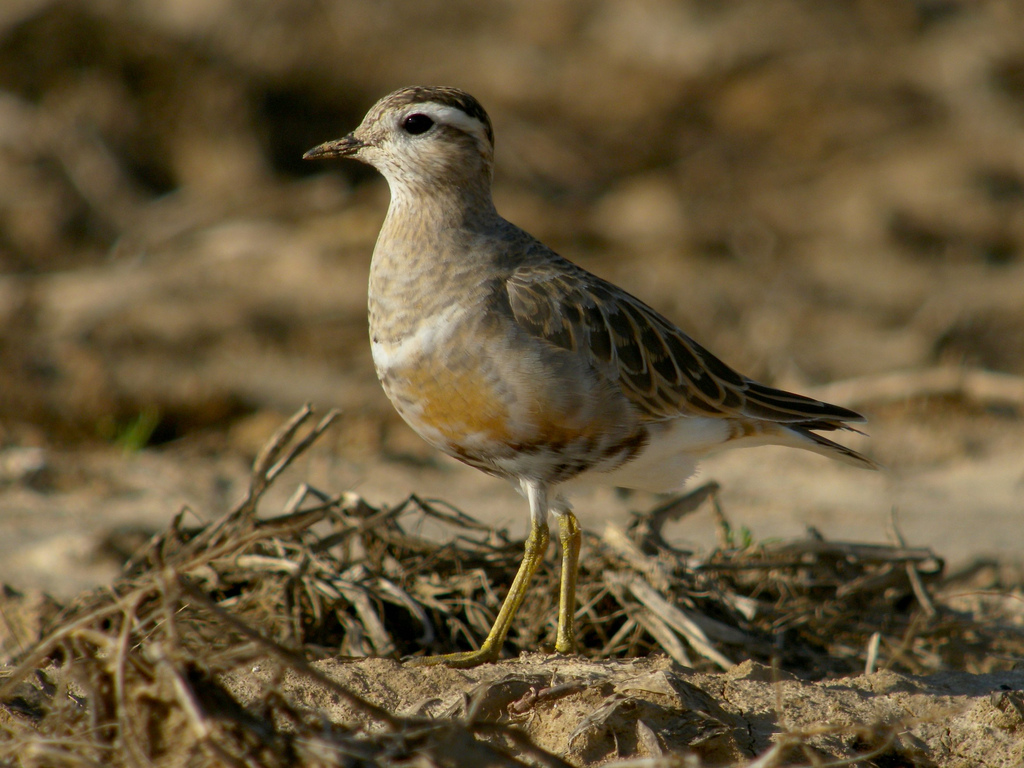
427,227
432,245
450,206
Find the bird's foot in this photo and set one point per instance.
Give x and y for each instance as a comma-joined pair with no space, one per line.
565,646
461,660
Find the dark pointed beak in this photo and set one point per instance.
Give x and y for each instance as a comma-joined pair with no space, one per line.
347,146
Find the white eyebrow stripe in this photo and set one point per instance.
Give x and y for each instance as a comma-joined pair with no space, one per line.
455,117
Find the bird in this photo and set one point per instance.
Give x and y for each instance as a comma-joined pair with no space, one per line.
514,360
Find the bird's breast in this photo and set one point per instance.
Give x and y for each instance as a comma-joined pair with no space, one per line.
447,391
467,387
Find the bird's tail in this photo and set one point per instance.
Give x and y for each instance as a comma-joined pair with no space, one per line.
801,436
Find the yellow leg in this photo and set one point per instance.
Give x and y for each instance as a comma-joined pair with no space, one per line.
570,536
536,546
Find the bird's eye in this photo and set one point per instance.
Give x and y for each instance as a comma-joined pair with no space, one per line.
417,124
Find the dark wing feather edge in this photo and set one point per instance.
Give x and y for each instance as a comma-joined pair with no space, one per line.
663,371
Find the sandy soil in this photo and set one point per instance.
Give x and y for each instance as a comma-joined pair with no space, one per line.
590,713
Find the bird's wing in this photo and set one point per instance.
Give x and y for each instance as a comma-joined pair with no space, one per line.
661,370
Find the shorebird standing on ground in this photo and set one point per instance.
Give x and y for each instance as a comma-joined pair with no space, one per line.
510,358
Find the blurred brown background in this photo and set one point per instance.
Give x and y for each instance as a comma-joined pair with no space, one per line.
816,191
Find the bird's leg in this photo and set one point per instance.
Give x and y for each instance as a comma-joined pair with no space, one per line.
536,546
570,536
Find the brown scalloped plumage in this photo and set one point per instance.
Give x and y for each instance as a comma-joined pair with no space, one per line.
663,372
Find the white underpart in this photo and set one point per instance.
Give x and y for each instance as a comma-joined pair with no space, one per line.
676,447
429,336
669,459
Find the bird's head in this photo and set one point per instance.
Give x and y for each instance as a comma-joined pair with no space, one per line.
421,136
